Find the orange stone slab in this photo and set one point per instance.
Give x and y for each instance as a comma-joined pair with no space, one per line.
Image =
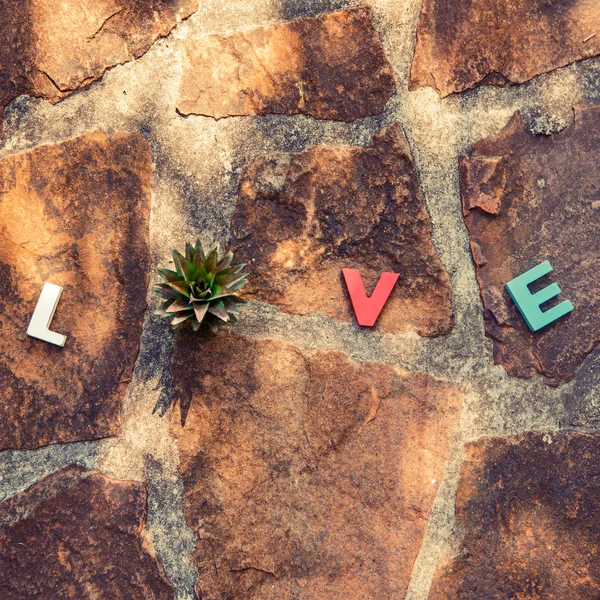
527,514
462,44
329,67
527,199
74,214
51,49
301,218
306,475
78,534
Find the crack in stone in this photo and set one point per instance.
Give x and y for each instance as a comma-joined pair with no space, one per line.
102,27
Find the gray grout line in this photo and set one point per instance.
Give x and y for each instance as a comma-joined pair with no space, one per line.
20,469
172,539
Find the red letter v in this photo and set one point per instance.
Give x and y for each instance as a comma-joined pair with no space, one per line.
368,309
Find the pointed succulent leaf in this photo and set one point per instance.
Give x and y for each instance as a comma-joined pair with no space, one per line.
189,252
165,291
225,261
230,306
190,256
191,270
199,272
227,279
237,268
223,293
169,275
200,309
199,250
233,270
224,278
233,299
181,318
199,264
239,283
179,305
182,287
214,327
196,325
164,304
184,266
160,311
176,262
218,309
211,260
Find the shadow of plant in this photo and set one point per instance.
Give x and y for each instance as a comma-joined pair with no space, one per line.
170,394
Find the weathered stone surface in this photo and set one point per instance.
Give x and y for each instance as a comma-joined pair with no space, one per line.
329,67
74,214
306,475
527,199
78,534
462,44
50,51
303,217
527,509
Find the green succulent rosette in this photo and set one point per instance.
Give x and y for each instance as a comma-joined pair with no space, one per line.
202,289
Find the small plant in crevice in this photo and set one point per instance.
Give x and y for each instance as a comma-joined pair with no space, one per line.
201,289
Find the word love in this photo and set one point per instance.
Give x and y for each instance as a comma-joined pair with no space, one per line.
366,308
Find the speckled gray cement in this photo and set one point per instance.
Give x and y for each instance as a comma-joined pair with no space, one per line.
197,165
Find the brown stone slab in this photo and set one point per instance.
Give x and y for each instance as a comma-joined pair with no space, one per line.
528,199
329,67
51,50
78,534
527,515
301,218
462,44
74,214
306,475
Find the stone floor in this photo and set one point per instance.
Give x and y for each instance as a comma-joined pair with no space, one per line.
445,453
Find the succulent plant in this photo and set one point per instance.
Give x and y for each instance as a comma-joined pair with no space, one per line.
201,289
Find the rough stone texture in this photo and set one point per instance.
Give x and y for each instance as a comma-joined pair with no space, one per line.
78,534
527,507
461,44
528,199
306,475
329,67
74,214
301,218
51,50
194,188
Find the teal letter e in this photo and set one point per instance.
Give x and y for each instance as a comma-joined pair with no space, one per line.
529,304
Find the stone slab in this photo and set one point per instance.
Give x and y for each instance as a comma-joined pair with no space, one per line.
462,44
527,515
78,534
330,67
306,474
75,214
301,218
527,199
50,52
